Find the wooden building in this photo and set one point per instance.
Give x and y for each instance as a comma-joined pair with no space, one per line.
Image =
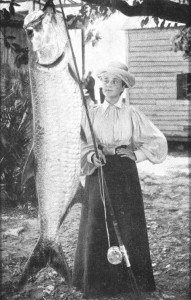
163,80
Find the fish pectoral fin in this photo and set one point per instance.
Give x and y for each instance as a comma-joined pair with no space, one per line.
29,168
73,73
45,252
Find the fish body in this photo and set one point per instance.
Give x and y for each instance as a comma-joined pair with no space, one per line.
57,106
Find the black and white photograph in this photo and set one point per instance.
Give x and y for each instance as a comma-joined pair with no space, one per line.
95,149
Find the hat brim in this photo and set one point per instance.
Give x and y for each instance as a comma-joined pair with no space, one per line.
125,76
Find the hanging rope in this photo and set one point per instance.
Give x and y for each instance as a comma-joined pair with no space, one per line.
102,182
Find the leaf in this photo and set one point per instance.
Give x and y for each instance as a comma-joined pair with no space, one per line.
142,23
89,36
6,43
17,48
146,20
156,20
135,3
162,24
21,59
6,14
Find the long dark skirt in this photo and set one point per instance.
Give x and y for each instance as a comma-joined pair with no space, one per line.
92,272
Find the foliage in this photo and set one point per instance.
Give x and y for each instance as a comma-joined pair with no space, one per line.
21,54
87,15
165,10
92,10
16,133
182,41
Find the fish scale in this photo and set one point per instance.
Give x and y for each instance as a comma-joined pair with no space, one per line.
57,106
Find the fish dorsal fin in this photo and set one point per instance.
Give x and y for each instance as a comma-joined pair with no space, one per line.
29,168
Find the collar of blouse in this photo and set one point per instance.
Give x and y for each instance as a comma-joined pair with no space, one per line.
119,104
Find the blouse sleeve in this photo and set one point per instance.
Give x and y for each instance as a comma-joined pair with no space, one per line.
148,141
87,146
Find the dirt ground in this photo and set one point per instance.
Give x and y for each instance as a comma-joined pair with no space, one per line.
166,196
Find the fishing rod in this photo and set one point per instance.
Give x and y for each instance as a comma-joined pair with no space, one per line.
103,185
101,175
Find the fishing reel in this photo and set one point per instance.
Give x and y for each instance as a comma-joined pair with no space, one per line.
114,255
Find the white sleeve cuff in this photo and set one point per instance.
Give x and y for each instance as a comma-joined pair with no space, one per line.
89,156
140,156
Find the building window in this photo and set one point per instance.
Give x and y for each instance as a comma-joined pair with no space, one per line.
184,86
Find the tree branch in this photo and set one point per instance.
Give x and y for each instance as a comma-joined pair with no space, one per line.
11,23
164,9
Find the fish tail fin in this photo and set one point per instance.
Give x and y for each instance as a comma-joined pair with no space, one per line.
58,262
43,253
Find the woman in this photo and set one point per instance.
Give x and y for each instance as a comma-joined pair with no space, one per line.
124,137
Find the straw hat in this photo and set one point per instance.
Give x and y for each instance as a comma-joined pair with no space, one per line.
120,70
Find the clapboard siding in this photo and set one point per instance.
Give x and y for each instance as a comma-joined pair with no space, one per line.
139,95
150,43
150,34
157,69
155,84
154,74
157,108
172,118
157,58
155,89
154,79
155,66
162,64
151,48
157,54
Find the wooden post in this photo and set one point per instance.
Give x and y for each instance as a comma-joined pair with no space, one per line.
83,52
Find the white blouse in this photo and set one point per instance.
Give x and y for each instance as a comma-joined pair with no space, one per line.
121,124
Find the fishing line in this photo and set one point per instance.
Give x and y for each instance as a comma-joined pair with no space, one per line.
102,193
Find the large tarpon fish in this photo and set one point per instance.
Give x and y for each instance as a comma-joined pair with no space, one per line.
57,108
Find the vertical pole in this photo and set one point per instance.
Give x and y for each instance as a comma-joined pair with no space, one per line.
33,4
83,52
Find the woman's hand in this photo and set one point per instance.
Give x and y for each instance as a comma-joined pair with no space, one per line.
124,152
98,162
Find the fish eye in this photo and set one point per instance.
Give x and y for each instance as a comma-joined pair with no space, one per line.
30,32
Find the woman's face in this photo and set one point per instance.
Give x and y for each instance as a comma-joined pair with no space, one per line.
112,87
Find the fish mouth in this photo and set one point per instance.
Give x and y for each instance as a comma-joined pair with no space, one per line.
55,63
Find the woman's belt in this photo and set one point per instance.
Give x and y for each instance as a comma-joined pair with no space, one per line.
111,150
